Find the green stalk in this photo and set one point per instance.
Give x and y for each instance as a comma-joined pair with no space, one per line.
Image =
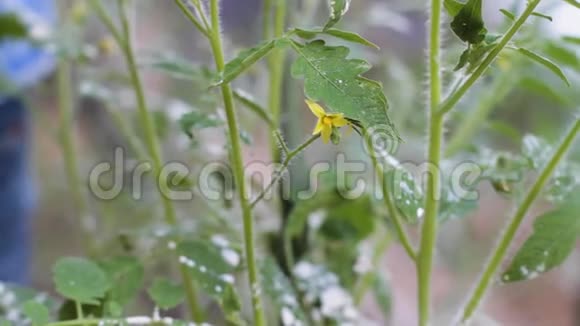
150,134
267,12
498,254
276,64
238,168
392,210
70,154
454,98
429,227
279,172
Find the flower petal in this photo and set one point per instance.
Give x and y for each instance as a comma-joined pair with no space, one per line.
326,131
316,109
339,121
318,128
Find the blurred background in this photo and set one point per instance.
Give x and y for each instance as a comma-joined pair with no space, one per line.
516,98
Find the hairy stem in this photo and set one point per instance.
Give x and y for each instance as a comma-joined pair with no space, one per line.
430,223
454,98
499,252
238,168
67,137
276,65
279,172
392,210
151,140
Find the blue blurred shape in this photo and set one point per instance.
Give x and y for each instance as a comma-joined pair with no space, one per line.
23,63
17,192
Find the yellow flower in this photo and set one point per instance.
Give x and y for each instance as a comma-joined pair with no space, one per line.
326,121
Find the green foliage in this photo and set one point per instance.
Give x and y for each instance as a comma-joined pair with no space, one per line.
453,7
331,78
80,279
279,288
338,9
196,119
126,275
546,63
383,293
11,27
243,61
309,34
36,312
468,23
166,294
554,238
212,267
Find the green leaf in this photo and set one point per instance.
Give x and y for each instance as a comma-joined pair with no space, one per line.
540,87
552,241
537,150
343,35
338,8
453,7
546,63
248,101
126,275
349,220
468,24
196,119
80,279
572,39
277,286
212,267
320,286
331,78
11,27
244,60
406,194
166,294
175,66
538,14
508,14
563,55
382,293
574,3
36,312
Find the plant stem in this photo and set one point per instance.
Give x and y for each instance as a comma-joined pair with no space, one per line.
151,141
454,98
67,138
278,174
266,15
430,223
392,210
513,225
238,168
190,15
276,64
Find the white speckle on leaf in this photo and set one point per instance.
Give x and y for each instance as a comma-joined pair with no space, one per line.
171,245
304,270
420,212
288,317
524,270
202,269
220,241
231,257
316,218
228,278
